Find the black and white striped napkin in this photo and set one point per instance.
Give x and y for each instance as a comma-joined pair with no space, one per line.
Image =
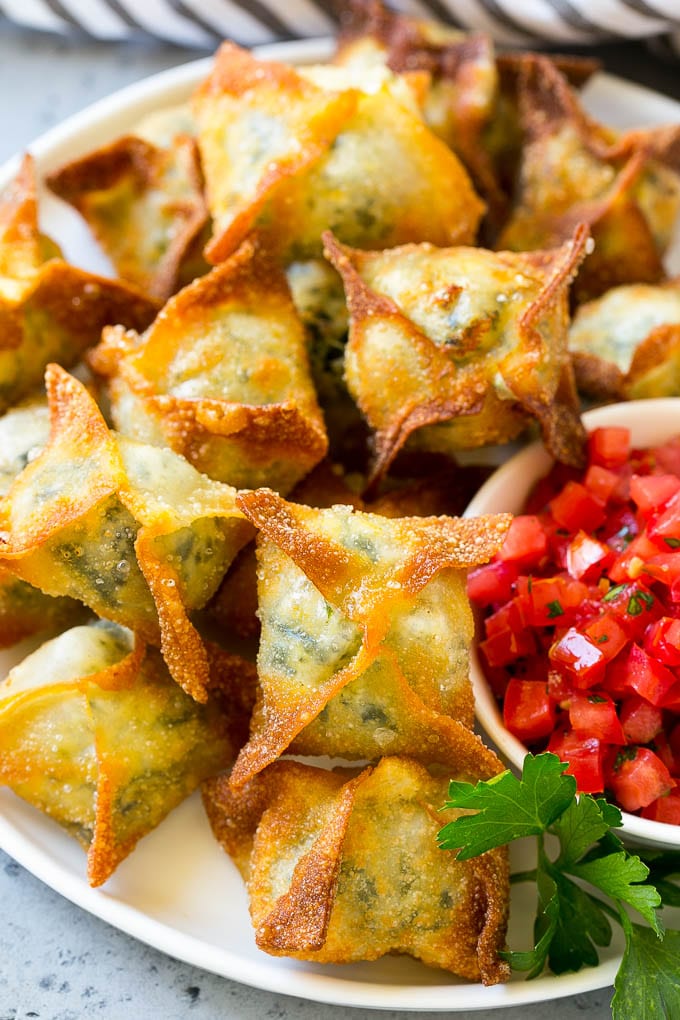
201,23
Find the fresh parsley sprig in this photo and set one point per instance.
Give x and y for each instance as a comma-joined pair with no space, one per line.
584,888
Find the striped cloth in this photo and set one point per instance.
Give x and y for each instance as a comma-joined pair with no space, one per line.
201,23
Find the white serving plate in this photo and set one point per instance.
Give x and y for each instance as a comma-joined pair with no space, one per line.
178,892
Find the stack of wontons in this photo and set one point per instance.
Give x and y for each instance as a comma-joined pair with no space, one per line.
332,280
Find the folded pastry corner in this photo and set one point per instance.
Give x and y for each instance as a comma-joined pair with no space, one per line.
365,633
343,866
95,733
49,309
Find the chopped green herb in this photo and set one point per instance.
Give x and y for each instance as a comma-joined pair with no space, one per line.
613,592
603,638
639,601
672,543
554,609
595,699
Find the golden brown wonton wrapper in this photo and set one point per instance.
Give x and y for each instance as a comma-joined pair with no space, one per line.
144,205
222,377
573,170
626,344
94,732
49,310
25,610
366,631
460,94
289,158
469,340
234,607
343,867
131,530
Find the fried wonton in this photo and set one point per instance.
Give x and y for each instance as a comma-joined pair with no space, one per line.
343,867
460,95
133,531
222,377
25,610
94,732
49,310
626,344
366,631
145,207
289,158
573,170
234,607
460,347
161,127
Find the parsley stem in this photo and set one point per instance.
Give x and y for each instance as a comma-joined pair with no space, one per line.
523,876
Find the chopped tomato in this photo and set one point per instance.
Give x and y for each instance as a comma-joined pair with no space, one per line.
664,809
594,715
528,712
609,447
640,720
638,777
647,677
667,524
585,756
583,621
601,482
652,491
492,582
525,542
608,634
587,557
575,507
580,657
662,640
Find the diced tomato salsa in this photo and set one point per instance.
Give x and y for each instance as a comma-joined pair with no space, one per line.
582,622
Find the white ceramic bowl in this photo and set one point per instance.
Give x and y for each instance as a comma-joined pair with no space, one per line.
651,422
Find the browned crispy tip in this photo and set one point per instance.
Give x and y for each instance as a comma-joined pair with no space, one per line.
132,193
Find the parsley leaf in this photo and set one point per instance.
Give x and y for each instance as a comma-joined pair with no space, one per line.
619,876
648,982
581,923
509,808
581,825
592,880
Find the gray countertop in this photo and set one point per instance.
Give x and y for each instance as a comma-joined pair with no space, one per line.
56,961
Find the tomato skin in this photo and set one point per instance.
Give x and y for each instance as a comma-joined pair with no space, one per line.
609,447
650,492
608,634
505,646
549,601
664,809
492,582
638,777
585,757
580,657
662,640
525,542
640,721
586,557
594,715
528,712
647,677
667,524
576,508
601,482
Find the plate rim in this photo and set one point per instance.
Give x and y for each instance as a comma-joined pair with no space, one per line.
53,147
